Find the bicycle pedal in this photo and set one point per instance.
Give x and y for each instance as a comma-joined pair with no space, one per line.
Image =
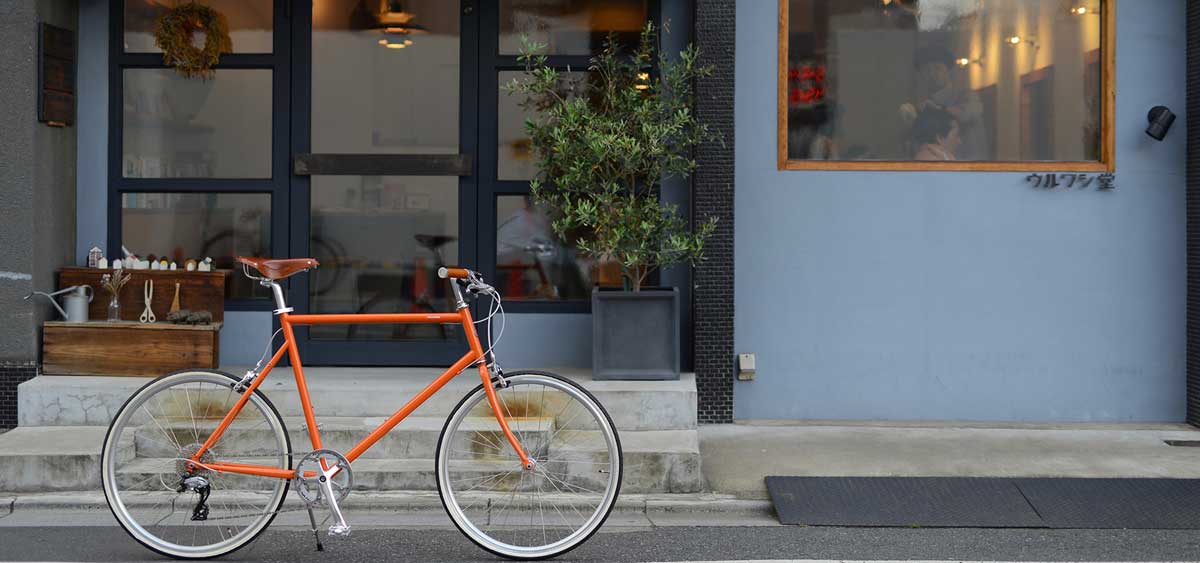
339,531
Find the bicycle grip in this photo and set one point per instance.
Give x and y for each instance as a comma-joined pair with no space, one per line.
453,273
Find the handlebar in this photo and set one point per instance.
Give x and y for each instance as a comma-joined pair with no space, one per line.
456,273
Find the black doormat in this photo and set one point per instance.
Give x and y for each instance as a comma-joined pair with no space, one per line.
987,502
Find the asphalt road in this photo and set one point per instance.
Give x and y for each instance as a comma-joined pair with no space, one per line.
102,543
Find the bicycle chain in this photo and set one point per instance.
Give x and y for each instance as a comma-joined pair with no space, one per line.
292,456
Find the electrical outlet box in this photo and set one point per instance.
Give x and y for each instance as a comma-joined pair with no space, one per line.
745,367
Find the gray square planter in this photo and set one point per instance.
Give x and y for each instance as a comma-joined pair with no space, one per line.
635,335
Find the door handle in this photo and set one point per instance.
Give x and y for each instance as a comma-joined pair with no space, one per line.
325,164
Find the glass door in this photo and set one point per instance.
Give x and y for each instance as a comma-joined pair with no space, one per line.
383,185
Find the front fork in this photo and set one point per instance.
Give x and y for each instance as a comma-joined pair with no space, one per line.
484,362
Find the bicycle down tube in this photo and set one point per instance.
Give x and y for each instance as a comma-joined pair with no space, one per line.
473,356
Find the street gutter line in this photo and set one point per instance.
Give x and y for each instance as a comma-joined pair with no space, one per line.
880,561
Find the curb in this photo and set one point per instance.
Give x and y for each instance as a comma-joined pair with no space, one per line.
420,501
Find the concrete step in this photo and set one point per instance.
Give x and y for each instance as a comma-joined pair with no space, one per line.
67,458
414,437
356,392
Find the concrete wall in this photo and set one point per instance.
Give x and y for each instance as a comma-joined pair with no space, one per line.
965,296
37,179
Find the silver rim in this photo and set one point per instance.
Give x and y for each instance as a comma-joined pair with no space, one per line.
162,425
536,513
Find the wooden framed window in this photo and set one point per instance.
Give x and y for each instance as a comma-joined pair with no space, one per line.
1019,85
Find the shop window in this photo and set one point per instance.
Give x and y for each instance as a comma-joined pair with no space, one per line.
182,226
176,127
569,27
534,264
249,21
946,85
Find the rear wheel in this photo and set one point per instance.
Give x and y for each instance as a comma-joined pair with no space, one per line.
540,512
197,513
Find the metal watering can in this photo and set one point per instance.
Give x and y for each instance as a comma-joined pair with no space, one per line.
76,299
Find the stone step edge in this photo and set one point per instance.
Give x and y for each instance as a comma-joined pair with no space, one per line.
419,501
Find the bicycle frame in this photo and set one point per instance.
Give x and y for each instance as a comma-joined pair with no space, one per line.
475,355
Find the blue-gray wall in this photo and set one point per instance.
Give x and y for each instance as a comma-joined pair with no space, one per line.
958,295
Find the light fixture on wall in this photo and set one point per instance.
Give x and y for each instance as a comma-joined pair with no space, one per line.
1161,120
1016,40
642,79
964,62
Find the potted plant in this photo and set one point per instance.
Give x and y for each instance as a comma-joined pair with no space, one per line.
603,146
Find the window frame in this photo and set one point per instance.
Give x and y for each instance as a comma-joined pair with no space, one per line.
278,62
491,64
1107,162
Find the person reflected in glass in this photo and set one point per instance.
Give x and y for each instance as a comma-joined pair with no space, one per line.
942,84
935,134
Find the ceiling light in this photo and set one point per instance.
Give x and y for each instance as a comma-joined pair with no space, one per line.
963,61
1014,40
1079,11
396,45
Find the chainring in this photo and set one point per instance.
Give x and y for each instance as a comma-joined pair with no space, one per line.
307,481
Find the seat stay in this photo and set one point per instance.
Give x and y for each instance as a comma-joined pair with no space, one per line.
241,402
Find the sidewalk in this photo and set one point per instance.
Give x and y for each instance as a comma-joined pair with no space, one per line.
736,457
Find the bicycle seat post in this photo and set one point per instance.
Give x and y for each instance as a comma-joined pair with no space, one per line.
281,305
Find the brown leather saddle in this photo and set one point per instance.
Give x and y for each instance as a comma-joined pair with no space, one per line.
278,268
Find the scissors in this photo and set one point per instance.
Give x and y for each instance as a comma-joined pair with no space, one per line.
148,294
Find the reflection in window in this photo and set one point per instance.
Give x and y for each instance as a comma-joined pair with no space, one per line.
250,23
532,263
515,159
380,241
176,127
380,91
182,226
943,80
569,27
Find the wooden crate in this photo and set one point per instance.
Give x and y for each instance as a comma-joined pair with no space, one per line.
198,291
127,348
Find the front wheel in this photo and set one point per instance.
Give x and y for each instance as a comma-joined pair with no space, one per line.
533,513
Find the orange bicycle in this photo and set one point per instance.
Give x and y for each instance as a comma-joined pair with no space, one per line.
197,463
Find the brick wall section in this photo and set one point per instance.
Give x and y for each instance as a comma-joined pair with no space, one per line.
11,375
712,196
1193,215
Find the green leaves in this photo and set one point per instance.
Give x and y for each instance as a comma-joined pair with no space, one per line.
604,145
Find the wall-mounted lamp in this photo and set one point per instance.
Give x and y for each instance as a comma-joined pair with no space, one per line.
1080,10
1015,40
964,62
642,79
1160,119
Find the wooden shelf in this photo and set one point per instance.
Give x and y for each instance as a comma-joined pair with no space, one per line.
198,291
127,348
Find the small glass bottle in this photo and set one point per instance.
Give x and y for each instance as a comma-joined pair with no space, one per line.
114,309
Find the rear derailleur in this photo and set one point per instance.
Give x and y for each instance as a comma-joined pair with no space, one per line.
202,487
